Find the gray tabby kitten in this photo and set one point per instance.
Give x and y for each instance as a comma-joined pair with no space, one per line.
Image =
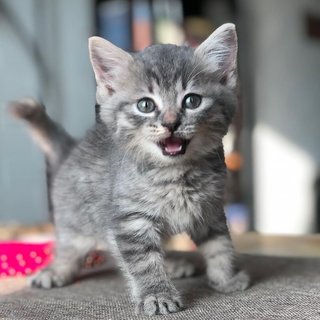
151,167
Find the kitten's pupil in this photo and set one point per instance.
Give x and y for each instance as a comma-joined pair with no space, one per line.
146,105
191,101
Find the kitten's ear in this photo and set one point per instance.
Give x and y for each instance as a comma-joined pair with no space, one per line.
107,61
219,50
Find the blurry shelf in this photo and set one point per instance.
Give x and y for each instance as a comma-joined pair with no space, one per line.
278,245
255,243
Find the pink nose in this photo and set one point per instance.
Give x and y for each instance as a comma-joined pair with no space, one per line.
169,117
170,120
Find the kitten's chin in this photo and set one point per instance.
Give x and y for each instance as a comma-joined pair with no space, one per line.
173,146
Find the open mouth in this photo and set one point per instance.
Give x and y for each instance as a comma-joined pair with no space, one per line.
173,146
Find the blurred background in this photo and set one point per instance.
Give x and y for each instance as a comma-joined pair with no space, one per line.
273,150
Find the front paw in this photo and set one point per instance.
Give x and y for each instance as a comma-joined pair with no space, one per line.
239,282
50,277
160,303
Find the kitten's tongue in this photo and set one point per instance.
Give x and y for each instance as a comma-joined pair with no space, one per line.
173,145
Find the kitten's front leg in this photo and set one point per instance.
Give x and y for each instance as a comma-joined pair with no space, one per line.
222,271
138,246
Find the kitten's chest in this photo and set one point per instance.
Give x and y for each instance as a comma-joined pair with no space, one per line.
180,204
177,196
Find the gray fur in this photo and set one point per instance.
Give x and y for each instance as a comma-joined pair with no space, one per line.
115,187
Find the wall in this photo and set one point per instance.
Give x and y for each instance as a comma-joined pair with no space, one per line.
285,69
60,30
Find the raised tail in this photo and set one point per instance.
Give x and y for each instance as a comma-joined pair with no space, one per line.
52,139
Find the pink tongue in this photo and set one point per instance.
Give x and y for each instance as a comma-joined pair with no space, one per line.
172,144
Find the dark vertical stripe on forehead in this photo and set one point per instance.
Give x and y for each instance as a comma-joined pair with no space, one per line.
151,75
184,81
165,64
155,76
177,74
186,74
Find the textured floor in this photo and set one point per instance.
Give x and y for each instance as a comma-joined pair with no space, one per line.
283,288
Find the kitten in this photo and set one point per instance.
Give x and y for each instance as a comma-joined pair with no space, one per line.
151,167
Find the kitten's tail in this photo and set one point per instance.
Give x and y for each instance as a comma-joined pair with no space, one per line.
52,139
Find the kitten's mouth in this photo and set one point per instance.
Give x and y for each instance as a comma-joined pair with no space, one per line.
173,146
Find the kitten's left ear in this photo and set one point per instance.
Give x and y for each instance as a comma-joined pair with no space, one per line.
108,62
219,50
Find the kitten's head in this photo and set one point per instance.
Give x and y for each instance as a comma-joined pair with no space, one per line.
168,103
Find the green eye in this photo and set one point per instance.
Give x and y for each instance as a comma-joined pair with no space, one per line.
146,105
191,101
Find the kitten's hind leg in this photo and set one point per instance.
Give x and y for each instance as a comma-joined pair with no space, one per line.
183,264
70,254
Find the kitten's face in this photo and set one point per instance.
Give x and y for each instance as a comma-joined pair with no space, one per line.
169,103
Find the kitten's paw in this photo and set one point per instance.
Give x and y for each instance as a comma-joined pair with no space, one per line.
180,268
239,282
160,303
49,278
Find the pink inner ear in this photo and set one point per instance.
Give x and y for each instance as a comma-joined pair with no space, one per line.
104,68
108,62
100,69
103,74
220,50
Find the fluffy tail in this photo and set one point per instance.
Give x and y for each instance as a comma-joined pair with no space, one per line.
52,139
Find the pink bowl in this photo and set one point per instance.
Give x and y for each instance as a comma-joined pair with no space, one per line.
20,258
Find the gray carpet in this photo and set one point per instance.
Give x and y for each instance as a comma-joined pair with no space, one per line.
282,289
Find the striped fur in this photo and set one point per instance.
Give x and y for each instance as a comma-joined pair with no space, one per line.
115,186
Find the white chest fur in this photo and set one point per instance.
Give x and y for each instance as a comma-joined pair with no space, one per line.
176,195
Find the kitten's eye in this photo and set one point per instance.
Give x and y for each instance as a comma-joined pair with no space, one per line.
146,105
191,101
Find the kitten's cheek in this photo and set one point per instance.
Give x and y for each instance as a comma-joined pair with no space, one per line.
151,148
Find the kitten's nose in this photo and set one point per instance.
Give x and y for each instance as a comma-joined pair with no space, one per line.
170,120
172,127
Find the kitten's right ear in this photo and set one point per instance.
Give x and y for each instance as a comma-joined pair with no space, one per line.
219,50
107,62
